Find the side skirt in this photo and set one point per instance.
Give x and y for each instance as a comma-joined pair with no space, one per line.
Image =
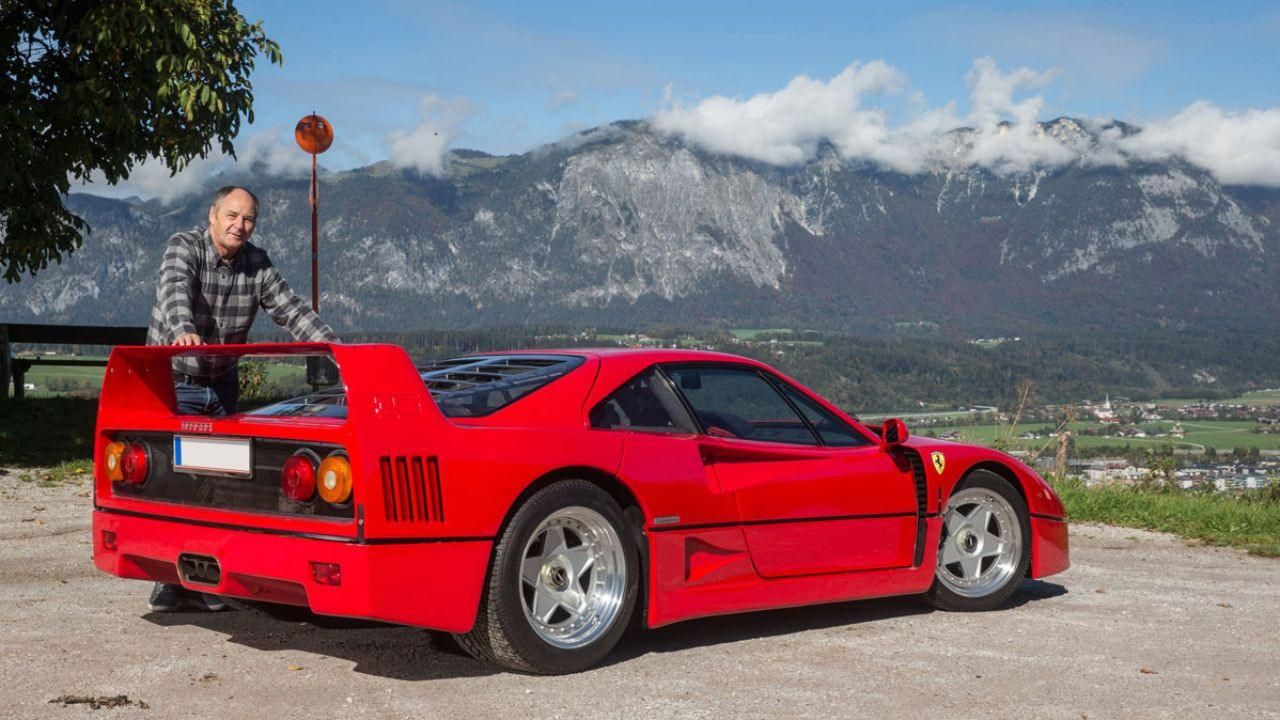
700,573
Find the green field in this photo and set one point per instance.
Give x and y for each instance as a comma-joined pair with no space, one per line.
1222,435
67,378
1259,397
288,376
753,333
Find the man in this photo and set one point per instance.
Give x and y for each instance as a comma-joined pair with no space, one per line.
212,282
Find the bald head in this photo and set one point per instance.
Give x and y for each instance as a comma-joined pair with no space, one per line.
231,219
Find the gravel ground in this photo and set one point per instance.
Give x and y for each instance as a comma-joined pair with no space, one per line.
1143,626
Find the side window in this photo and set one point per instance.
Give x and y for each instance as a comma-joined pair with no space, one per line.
833,430
740,404
645,403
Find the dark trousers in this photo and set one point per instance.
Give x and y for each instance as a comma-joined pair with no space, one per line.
220,397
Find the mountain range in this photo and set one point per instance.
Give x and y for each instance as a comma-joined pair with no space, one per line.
623,226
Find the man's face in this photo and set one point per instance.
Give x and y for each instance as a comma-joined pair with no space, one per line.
231,222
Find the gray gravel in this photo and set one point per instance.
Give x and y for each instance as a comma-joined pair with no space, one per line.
1143,626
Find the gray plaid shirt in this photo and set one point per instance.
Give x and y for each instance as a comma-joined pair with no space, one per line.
199,292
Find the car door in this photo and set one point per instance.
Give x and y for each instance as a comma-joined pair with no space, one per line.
814,495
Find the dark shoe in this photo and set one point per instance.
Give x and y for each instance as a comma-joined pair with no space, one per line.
165,597
207,602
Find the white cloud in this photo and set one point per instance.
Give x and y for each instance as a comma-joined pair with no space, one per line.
424,147
787,126
1001,133
1239,148
267,152
1008,139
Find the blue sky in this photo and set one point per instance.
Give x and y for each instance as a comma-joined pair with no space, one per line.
409,79
532,72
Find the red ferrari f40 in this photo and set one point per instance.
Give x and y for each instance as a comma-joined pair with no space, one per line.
535,504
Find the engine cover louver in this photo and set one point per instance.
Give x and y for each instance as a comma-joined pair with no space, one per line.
411,489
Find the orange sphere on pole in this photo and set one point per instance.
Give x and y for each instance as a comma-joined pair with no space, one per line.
314,134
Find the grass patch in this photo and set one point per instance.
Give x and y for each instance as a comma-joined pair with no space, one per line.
753,333
1250,521
47,432
70,472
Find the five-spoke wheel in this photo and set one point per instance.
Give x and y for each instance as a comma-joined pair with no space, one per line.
562,585
573,577
982,553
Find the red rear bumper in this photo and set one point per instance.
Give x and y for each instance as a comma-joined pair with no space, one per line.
1049,552
433,584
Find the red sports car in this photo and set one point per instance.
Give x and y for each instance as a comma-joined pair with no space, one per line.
536,503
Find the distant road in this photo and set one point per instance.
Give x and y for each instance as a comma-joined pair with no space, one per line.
910,416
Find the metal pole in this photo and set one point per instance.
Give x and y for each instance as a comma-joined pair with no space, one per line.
315,238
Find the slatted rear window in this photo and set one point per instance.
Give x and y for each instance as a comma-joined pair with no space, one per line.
477,386
462,387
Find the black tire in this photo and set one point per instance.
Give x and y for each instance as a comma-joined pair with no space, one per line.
590,524
985,546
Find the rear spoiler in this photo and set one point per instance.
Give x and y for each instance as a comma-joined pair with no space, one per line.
380,380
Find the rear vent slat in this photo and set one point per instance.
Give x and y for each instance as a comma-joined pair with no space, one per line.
437,502
402,490
418,490
388,491
411,491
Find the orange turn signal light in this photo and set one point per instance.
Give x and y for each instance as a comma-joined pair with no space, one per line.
333,480
113,461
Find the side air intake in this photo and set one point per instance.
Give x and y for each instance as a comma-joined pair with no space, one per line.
411,489
922,500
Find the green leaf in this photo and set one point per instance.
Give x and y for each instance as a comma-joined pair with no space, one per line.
135,79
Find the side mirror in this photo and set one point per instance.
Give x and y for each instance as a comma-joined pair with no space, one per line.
894,432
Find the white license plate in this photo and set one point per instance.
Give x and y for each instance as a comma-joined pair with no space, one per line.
208,454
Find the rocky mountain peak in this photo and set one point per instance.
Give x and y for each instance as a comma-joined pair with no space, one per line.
623,225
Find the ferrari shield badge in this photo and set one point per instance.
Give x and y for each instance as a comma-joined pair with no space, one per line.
939,461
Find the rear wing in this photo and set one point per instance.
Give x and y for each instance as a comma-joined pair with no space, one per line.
380,380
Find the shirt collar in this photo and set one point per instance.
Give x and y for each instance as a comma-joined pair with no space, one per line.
236,261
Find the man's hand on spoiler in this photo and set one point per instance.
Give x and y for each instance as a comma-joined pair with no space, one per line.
188,339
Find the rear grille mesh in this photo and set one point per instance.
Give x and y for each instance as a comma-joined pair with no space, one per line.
411,489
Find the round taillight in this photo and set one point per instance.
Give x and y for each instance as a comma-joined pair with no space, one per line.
298,478
334,484
133,464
